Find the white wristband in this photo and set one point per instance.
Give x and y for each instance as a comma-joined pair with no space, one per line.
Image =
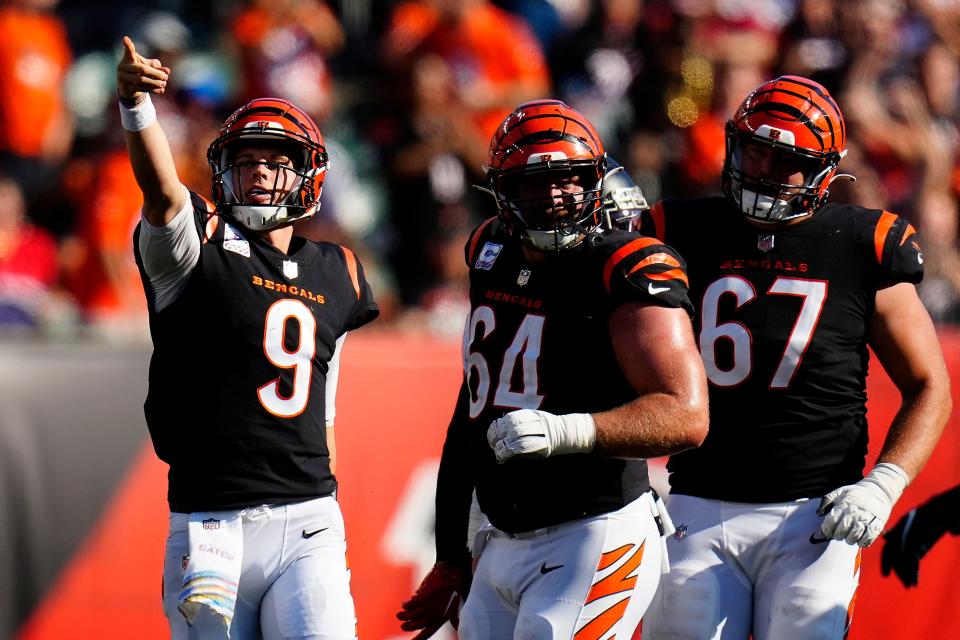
574,433
891,479
139,117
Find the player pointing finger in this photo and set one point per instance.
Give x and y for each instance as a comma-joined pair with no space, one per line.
137,75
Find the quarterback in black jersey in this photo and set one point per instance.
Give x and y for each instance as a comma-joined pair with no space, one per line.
773,510
579,361
247,322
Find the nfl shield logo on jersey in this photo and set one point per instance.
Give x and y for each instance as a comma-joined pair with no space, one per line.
524,277
488,255
211,523
290,269
681,532
764,243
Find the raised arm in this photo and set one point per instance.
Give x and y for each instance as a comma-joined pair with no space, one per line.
150,156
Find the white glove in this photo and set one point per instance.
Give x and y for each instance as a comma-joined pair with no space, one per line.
538,434
858,512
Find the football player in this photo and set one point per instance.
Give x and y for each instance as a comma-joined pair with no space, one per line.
579,362
247,321
772,512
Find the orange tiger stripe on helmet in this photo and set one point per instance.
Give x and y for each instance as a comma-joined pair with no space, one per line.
621,253
803,106
880,233
799,120
546,136
272,120
518,136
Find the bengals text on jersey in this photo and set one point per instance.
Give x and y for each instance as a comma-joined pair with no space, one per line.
782,319
237,377
537,338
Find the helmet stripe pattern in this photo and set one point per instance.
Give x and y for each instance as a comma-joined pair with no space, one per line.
540,143
786,127
269,121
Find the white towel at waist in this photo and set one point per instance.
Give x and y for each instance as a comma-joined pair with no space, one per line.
213,567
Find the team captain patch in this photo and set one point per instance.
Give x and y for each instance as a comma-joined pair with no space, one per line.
488,255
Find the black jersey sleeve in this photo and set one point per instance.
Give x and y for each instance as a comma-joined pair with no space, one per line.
365,310
897,251
642,269
455,488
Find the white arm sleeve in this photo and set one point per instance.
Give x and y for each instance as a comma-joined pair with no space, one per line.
333,375
169,254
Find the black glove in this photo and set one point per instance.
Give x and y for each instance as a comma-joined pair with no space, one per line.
436,601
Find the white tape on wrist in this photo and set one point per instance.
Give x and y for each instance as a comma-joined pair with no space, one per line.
139,117
577,435
891,479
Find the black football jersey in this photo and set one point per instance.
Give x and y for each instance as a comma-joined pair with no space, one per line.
237,377
538,338
782,320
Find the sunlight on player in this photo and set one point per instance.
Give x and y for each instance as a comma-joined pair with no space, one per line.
773,510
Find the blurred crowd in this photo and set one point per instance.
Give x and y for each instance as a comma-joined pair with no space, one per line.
407,94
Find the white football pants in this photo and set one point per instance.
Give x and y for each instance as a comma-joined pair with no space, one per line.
738,569
291,585
592,577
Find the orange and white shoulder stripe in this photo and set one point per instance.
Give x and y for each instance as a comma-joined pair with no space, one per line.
352,269
660,257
